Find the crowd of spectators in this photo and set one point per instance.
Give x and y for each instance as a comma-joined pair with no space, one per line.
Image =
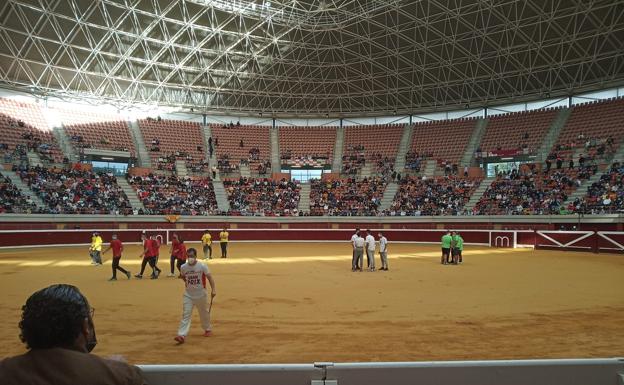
168,162
263,197
228,165
606,196
18,155
14,123
414,160
155,145
530,191
12,200
587,163
36,144
432,196
197,166
75,190
264,167
383,164
253,161
518,194
254,154
353,160
169,194
591,144
569,178
595,151
231,124
449,168
346,197
224,165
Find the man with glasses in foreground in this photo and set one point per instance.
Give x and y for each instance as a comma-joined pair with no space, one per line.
57,328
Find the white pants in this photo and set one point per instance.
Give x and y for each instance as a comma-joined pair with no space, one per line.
187,311
384,259
370,256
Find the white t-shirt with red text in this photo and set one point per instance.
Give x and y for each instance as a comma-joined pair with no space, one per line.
195,279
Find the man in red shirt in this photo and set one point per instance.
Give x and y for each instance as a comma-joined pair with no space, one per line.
181,258
175,251
117,248
149,255
156,245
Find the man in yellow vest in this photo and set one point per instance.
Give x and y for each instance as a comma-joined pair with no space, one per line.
95,249
223,239
206,240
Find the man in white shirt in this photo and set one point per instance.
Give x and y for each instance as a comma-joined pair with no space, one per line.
354,261
195,274
383,251
370,250
359,253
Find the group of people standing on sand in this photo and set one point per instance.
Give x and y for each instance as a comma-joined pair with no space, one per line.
452,248
369,244
151,252
58,351
195,274
206,240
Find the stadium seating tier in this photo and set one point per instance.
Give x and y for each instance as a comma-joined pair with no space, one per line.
23,128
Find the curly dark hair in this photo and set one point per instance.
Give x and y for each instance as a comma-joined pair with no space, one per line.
53,317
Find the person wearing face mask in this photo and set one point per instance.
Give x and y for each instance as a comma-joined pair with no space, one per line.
57,328
195,274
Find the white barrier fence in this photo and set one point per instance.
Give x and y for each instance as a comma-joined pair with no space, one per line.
526,372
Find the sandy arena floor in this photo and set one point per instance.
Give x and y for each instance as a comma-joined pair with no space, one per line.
297,303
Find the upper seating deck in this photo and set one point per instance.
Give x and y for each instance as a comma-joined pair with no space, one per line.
444,140
249,143
172,138
297,143
517,130
379,139
590,126
96,130
23,127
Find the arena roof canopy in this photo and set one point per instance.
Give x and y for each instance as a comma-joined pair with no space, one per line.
311,57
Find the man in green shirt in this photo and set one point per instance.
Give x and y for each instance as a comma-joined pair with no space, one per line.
457,247
446,247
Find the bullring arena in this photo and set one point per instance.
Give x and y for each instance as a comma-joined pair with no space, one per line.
284,126
299,302
294,302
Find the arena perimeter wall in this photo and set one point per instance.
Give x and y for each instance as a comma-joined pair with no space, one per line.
609,371
597,233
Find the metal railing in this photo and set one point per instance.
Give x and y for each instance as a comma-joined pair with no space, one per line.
608,371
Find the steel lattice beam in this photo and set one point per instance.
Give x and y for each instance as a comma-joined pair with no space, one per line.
314,57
